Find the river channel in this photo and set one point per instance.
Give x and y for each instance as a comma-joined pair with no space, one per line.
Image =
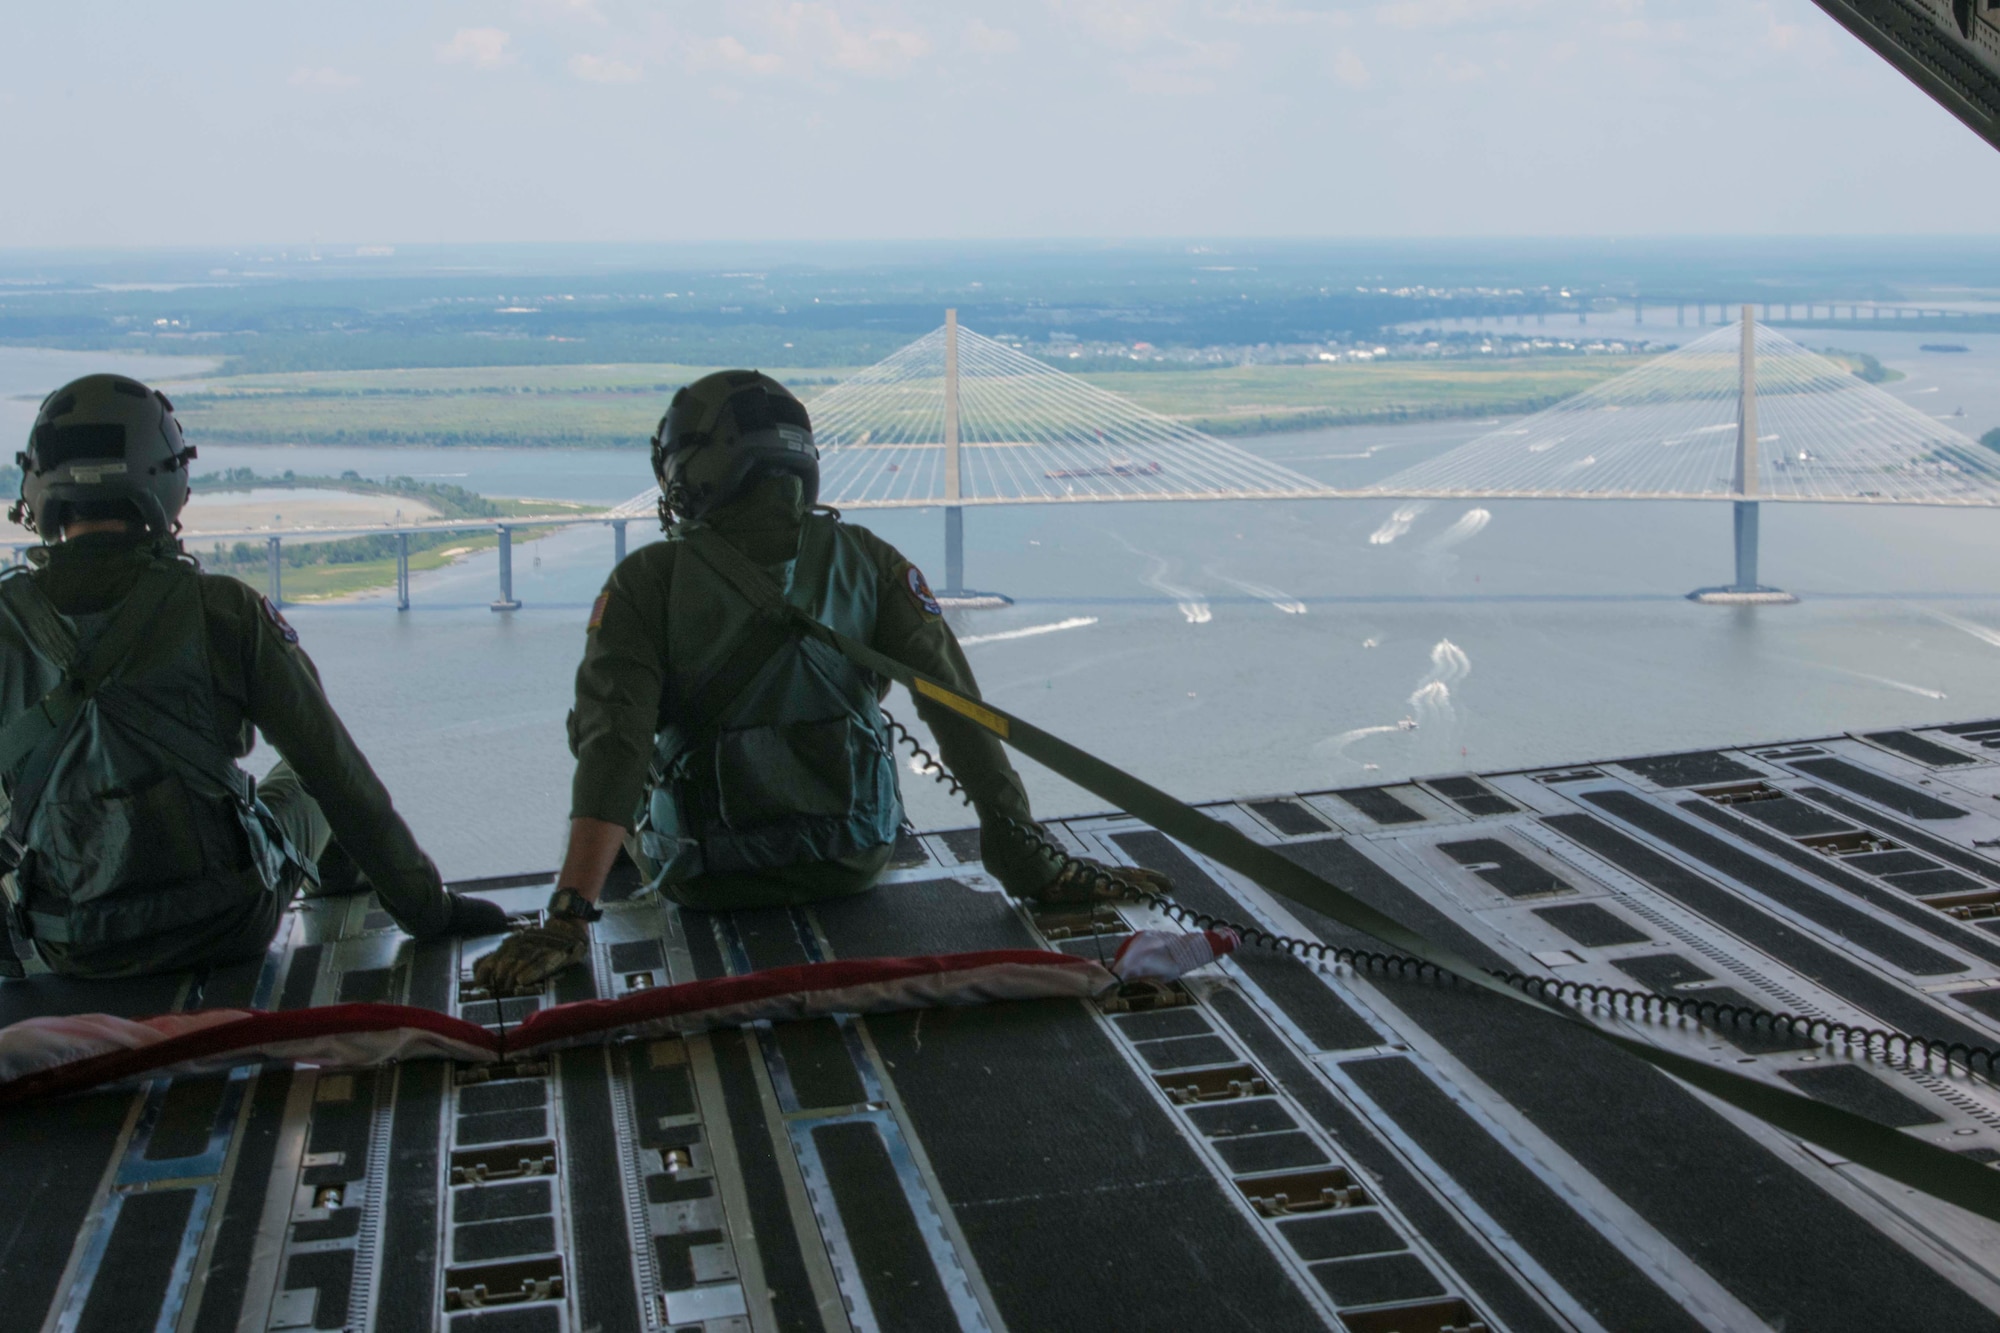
1226,649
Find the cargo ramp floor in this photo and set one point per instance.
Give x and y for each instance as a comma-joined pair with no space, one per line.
1294,1146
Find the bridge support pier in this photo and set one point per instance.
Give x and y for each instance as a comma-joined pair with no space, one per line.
956,596
617,540
277,589
506,600
1746,591
1746,545
402,571
954,549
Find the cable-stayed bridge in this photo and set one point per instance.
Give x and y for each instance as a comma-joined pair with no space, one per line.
958,419
1022,432
1673,429
1742,414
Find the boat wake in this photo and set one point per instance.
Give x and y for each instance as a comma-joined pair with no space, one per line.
1029,632
1921,691
1335,747
1430,704
1191,604
1277,597
1976,630
1396,524
1470,524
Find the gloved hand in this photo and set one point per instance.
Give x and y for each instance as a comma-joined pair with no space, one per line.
532,954
472,917
1088,880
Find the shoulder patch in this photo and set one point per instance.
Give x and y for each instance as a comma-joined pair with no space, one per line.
277,619
920,591
597,610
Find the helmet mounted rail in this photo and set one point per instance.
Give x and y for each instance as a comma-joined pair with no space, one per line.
725,431
103,442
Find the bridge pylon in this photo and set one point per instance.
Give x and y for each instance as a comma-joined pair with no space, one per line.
1745,591
955,595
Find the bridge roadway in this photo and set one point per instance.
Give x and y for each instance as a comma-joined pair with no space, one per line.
1287,1146
641,507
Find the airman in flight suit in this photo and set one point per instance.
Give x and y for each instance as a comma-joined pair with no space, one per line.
130,685
743,765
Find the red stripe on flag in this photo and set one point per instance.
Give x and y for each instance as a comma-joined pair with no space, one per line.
566,1023
259,1029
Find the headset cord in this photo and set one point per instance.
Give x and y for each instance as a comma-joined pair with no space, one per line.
1107,885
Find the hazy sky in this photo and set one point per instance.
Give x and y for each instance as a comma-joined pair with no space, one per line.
576,120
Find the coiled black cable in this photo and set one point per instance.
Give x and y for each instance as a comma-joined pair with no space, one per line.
1105,883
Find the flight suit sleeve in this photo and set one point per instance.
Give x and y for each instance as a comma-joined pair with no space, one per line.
618,690
910,627
283,697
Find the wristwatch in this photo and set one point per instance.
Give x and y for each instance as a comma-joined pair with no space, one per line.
569,903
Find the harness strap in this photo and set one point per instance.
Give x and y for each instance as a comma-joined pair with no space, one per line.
30,743
12,968
173,735
176,736
764,636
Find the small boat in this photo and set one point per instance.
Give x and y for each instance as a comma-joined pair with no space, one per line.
1117,468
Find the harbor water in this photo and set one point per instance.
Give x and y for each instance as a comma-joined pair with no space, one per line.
1222,649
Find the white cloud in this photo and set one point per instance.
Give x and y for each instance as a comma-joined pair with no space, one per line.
990,41
1812,45
603,69
1187,69
1124,24
818,29
323,77
729,53
1268,14
1456,69
1457,13
1347,67
482,48
1163,55
586,10
884,51
811,41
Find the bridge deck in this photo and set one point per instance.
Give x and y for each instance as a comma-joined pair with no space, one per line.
1293,1148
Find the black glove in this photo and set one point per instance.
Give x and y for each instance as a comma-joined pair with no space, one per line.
1087,880
472,917
531,955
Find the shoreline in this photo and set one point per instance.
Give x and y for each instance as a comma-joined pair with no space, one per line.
362,579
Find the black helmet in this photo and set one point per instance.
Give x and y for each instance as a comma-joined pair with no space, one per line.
724,431
103,443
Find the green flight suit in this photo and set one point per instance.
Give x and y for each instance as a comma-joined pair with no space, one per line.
622,703
262,681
